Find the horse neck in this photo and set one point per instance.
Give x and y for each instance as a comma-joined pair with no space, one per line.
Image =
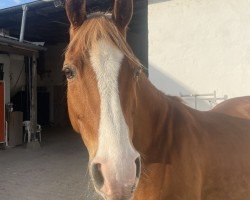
158,122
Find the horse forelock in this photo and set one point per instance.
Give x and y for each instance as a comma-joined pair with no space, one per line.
99,26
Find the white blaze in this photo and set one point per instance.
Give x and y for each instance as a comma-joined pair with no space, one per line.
114,144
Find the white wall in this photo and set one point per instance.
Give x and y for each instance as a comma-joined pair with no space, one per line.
198,46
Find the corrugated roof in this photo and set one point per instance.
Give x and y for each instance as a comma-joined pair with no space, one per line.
12,3
48,23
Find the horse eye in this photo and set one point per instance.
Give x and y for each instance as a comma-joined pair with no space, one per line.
69,73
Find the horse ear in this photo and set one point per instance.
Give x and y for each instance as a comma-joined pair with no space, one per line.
122,13
76,12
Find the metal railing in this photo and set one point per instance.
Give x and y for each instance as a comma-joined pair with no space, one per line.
210,97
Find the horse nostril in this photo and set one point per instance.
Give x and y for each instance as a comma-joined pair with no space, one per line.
138,167
97,175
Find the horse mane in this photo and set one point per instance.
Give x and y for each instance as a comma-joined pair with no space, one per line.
176,99
100,26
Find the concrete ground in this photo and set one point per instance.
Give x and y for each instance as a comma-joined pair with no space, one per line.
58,171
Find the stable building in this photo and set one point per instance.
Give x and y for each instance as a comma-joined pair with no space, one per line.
33,38
195,50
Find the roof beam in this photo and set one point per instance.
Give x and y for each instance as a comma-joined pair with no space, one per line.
13,50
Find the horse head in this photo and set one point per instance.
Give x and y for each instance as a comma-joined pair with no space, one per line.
100,69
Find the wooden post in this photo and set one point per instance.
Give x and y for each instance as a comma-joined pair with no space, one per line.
33,103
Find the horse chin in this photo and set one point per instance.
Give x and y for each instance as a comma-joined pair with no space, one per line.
115,197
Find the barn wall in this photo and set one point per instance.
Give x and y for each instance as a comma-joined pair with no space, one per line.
200,46
17,74
14,74
4,58
55,83
53,61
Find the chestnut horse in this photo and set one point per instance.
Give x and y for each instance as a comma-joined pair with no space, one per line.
236,107
143,144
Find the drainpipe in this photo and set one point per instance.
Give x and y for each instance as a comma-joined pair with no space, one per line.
25,8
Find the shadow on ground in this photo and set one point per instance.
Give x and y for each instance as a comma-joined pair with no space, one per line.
58,171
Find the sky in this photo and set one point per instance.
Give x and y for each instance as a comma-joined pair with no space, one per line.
10,3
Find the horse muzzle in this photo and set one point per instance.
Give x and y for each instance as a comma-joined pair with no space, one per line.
116,180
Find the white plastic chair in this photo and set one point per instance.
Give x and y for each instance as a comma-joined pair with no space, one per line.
27,127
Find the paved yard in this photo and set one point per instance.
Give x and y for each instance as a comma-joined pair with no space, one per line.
58,171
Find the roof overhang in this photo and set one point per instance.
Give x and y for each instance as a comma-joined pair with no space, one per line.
8,45
47,23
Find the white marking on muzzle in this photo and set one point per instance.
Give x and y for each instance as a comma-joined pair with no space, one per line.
114,143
